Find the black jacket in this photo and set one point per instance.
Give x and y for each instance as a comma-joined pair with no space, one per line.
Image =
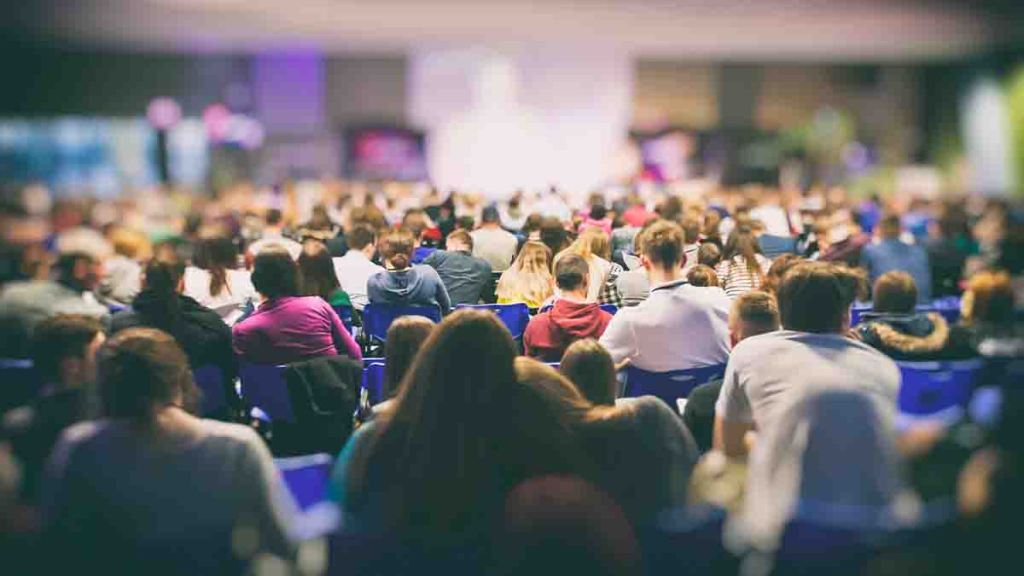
324,392
911,337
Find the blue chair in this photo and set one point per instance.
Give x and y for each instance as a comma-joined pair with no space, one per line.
670,385
345,313
377,318
19,383
307,478
210,381
931,387
373,381
857,312
264,387
610,308
515,317
949,307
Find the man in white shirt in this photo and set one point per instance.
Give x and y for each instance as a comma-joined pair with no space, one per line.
273,234
355,267
678,326
767,371
492,243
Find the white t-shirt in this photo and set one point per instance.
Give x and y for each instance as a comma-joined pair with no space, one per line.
230,301
496,246
764,370
353,271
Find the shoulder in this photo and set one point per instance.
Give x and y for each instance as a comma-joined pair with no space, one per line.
73,438
756,346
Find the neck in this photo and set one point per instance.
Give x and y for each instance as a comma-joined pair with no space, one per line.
662,276
578,296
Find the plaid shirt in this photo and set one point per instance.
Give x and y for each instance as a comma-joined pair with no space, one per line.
609,293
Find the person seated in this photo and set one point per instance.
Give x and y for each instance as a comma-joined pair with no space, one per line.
403,283
23,304
99,521
709,254
743,266
215,281
492,243
123,269
813,351
633,286
590,368
595,249
988,320
572,317
892,253
287,327
64,356
678,326
598,218
273,235
317,277
418,225
895,328
778,269
752,313
702,276
201,333
529,279
356,266
405,337
465,277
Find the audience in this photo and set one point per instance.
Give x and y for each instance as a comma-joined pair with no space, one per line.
590,368
743,266
778,269
465,277
811,352
273,235
678,326
123,495
287,327
895,328
892,253
492,243
64,353
529,279
356,266
709,254
317,276
404,283
572,317
214,280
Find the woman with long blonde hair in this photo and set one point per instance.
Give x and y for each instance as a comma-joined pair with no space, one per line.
529,280
594,246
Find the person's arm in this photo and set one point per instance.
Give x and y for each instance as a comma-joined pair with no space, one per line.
733,417
618,339
271,508
441,294
343,341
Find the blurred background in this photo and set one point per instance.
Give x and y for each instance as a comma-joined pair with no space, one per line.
105,98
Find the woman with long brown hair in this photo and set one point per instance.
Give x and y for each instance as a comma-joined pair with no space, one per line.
316,274
743,267
215,281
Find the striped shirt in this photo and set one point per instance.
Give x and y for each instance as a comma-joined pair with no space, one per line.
735,277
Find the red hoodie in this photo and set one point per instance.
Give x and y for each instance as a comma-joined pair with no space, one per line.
550,333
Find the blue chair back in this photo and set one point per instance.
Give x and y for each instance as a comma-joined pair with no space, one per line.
19,383
307,478
671,385
345,313
210,381
857,312
373,381
948,307
377,318
931,387
264,387
610,308
515,317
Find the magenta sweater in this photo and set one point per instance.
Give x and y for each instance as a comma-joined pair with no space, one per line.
285,330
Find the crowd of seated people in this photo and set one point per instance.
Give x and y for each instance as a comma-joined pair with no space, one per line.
477,447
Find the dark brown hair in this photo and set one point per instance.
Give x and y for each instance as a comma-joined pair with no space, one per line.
571,272
462,236
405,337
359,236
744,244
274,273
59,337
142,370
758,309
703,276
316,270
813,298
216,255
396,249
780,265
992,297
663,244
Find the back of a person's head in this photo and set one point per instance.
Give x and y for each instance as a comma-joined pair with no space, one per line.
415,223
557,525
490,215
60,337
894,293
691,229
461,237
275,274
571,272
216,255
890,226
359,236
758,311
404,338
553,234
709,254
69,267
533,256
274,217
742,244
780,265
989,298
813,298
596,242
397,248
533,223
129,243
142,370
316,270
663,245
598,212
702,276
588,365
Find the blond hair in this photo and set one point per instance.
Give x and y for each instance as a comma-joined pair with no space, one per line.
529,279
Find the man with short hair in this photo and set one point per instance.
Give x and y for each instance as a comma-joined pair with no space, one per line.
356,266
811,352
891,253
573,317
493,243
678,326
64,356
273,235
752,313
465,276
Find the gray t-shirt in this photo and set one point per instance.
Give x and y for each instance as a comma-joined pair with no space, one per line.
117,501
766,370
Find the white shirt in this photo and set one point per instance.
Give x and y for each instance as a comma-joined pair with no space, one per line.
496,246
765,370
230,301
353,270
678,326
274,239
